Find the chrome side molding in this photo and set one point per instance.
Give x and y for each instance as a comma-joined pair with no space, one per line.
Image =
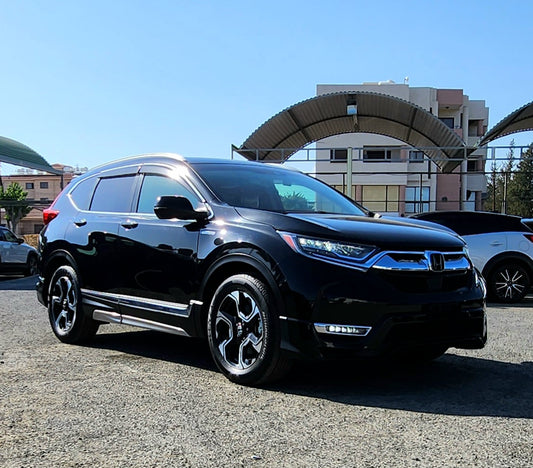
113,317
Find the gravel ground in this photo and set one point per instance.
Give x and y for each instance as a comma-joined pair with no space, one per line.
141,399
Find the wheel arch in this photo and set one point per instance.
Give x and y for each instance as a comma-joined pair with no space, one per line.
32,253
229,265
501,258
56,260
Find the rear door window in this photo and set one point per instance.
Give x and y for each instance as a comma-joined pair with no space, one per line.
113,194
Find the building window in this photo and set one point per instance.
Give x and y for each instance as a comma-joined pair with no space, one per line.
340,155
43,185
416,156
377,155
471,166
448,121
380,198
416,201
29,186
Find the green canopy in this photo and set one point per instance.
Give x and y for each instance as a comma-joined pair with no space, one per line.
13,152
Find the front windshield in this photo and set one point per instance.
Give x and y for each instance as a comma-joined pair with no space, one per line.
273,189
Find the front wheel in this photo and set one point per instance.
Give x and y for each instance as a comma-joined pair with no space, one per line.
65,311
508,282
31,265
244,332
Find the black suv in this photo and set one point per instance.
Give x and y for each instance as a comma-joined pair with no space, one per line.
269,264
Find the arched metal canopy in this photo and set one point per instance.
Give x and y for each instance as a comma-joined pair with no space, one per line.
16,153
521,120
350,112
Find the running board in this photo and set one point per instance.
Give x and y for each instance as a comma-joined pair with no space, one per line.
113,317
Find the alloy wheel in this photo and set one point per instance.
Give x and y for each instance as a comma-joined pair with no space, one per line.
64,302
510,283
239,330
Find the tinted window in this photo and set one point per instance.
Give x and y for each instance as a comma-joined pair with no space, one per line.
468,223
113,194
9,236
155,186
272,189
82,194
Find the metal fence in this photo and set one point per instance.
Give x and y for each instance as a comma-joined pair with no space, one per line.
400,179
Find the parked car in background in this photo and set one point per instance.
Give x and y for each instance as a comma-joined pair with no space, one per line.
16,257
501,247
269,264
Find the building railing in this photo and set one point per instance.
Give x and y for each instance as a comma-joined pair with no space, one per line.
408,181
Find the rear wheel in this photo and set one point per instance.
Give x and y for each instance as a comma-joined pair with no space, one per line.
244,333
508,282
68,321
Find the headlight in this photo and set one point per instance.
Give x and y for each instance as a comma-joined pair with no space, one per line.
329,249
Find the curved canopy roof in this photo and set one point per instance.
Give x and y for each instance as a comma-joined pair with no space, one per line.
349,112
521,120
16,153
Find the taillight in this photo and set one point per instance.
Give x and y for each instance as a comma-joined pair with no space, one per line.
529,237
49,214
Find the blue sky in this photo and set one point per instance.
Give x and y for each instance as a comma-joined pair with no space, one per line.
85,82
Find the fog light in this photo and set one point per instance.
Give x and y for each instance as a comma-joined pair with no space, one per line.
347,330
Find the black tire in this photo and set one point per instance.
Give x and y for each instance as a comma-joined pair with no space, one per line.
31,265
508,282
69,323
243,331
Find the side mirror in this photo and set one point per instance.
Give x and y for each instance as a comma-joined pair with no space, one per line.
20,240
177,207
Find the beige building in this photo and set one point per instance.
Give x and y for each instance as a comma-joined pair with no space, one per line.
42,189
389,175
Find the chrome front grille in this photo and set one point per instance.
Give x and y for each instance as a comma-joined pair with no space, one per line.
423,261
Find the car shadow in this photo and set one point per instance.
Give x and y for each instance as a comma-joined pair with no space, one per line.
452,385
14,283
155,345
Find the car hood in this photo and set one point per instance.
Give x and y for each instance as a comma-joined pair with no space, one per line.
385,233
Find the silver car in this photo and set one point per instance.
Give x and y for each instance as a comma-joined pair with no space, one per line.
16,257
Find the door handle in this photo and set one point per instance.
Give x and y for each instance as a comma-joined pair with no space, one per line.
129,224
80,222
496,243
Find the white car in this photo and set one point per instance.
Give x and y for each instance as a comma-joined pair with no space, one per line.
15,255
500,246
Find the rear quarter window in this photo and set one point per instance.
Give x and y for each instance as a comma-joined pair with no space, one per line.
81,194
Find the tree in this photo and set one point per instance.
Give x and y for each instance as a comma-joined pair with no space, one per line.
13,200
520,189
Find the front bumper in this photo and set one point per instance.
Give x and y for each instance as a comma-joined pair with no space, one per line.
408,327
377,313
